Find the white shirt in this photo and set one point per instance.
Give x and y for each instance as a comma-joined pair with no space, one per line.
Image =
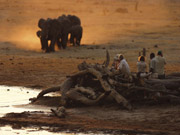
159,65
152,64
124,67
141,66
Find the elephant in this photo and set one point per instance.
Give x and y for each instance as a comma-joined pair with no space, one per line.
74,29
39,33
76,34
57,30
66,25
51,29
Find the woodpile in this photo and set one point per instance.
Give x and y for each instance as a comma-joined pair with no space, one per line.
96,83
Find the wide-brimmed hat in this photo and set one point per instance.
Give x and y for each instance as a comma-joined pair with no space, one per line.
117,56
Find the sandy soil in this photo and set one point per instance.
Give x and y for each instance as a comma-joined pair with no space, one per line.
117,25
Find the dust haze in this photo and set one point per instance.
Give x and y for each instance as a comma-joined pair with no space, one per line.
104,22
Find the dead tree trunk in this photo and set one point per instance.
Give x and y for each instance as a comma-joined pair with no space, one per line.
95,82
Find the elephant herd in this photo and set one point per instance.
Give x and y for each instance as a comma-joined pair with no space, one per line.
57,30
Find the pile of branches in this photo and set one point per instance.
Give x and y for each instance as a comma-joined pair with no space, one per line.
95,83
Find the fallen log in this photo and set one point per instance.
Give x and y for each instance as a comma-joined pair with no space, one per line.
88,91
96,82
168,83
114,94
73,94
168,99
63,88
43,92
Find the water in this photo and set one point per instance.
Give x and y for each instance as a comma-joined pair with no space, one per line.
15,99
33,131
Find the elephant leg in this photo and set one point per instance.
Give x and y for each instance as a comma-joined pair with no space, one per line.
64,44
78,41
78,38
64,41
71,38
59,43
44,44
51,47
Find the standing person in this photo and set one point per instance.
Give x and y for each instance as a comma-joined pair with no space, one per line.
123,67
152,63
159,66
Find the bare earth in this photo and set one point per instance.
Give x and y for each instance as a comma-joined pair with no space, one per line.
117,25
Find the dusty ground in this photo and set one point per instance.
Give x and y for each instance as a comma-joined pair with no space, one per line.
117,25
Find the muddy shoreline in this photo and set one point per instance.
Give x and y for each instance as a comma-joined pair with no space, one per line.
82,124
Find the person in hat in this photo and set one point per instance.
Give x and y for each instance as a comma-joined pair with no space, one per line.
160,62
115,62
141,67
123,67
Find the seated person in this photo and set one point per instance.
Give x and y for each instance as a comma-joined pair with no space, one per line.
142,68
123,67
115,63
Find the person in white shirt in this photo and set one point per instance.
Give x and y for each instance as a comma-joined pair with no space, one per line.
142,68
141,65
159,65
123,67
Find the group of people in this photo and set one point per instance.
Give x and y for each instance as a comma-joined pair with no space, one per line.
156,66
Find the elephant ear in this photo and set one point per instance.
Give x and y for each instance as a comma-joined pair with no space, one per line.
41,23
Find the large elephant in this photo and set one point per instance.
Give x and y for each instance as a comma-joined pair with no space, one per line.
73,28
71,25
66,25
51,30
76,34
